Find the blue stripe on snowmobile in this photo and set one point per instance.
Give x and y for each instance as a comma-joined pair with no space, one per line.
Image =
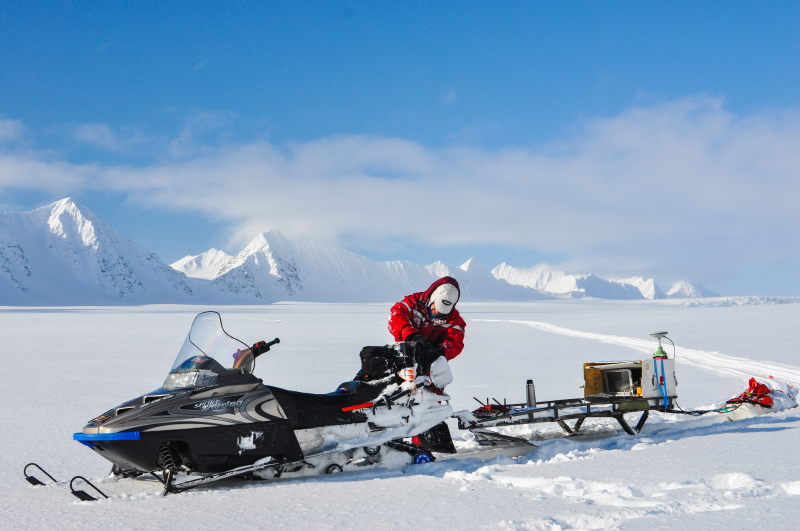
88,438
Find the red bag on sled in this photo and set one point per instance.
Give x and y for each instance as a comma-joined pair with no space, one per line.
758,394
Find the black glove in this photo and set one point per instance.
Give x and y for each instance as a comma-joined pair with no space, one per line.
420,340
425,356
431,354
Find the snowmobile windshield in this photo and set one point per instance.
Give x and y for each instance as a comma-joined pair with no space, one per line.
207,352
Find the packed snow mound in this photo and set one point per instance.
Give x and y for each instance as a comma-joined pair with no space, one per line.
206,265
685,290
63,254
648,288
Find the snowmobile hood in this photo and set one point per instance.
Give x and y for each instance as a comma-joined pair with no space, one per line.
441,281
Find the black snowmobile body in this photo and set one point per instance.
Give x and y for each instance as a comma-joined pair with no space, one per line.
212,415
211,430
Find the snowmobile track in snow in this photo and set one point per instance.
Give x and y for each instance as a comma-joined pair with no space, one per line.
714,361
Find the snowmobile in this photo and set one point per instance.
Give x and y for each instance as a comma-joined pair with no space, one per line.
212,418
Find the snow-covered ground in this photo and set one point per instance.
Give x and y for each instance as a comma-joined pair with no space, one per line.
64,366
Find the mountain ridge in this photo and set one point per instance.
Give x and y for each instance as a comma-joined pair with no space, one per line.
558,283
204,265
63,254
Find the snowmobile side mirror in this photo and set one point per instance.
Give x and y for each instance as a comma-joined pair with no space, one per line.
261,347
81,494
35,481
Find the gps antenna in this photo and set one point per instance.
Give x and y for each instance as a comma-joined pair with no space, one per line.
660,353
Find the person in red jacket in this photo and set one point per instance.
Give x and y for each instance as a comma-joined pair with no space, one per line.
430,319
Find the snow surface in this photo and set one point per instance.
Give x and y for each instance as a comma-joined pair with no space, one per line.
66,365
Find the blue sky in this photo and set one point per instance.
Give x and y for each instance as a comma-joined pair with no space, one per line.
611,137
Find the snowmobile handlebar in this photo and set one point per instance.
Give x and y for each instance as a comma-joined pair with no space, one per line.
261,347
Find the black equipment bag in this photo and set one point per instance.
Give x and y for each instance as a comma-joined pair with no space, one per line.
377,363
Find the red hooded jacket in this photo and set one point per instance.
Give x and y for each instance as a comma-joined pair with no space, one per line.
411,316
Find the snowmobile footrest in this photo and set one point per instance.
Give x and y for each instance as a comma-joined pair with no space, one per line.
82,495
34,481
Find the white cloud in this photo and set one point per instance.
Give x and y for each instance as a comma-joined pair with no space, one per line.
200,132
197,128
24,172
10,129
103,136
681,187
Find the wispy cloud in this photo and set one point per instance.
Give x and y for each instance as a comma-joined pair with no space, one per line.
104,137
198,128
10,129
681,186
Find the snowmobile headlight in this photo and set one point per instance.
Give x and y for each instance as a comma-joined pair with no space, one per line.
189,379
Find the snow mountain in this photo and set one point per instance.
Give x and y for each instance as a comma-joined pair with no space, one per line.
549,280
478,283
536,277
648,288
685,290
578,286
273,268
206,265
63,254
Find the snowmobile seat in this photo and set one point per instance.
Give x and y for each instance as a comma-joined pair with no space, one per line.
307,410
347,387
